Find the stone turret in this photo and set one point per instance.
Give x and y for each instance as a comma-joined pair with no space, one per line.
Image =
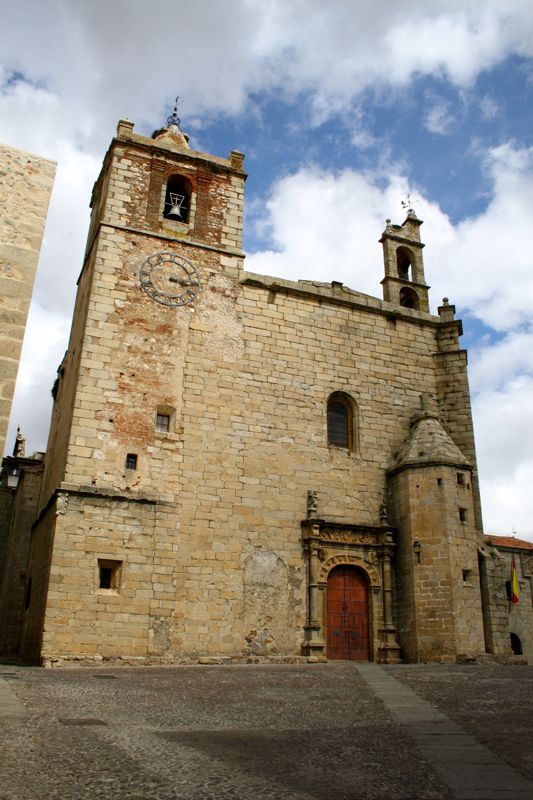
439,605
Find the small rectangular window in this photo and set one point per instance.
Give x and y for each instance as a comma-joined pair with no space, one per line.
467,574
460,479
109,574
462,514
131,461
162,423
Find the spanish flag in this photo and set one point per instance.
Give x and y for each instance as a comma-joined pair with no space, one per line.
514,583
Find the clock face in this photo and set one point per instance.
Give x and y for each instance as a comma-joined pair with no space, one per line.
170,279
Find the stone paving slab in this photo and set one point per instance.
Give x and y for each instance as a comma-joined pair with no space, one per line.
470,770
10,706
313,732
493,703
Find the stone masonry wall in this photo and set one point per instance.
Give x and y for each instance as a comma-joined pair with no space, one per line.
6,507
247,373
26,184
66,387
140,609
42,543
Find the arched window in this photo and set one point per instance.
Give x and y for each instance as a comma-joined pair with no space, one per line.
409,298
177,199
404,261
340,420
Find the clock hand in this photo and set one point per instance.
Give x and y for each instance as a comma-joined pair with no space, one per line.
182,282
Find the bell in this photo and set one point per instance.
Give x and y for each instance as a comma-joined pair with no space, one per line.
176,203
175,211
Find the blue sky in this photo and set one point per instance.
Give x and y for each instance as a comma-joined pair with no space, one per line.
436,130
341,109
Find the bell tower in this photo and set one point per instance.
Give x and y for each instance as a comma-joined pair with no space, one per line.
165,233
404,283
155,313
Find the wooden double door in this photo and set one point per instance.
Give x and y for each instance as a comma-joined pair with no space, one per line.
347,614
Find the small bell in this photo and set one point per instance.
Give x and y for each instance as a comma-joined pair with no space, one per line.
176,203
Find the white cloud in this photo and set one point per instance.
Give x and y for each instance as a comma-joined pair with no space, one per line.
320,224
504,429
439,117
502,366
62,253
486,255
454,44
489,107
43,349
98,61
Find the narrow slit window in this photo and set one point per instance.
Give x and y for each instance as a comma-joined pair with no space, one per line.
462,514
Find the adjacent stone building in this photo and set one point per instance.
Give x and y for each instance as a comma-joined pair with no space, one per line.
20,485
507,623
241,466
25,185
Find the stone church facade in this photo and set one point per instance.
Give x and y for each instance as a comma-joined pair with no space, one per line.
243,467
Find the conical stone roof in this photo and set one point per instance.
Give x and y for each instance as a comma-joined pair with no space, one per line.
428,443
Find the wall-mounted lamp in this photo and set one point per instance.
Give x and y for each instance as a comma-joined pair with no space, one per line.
417,549
13,478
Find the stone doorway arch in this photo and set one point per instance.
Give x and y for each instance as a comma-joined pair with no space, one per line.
368,550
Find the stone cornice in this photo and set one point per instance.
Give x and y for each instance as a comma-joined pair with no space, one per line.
80,490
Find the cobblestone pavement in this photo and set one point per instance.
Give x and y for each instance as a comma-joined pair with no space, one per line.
297,732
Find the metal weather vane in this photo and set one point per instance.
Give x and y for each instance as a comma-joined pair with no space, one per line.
173,119
408,204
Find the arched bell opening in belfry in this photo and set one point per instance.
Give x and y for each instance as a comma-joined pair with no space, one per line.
177,199
409,298
404,261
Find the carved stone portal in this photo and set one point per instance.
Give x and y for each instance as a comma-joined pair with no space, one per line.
370,549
